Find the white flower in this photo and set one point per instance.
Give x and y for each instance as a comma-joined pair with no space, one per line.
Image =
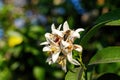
67,49
71,33
78,48
56,31
59,45
54,36
53,49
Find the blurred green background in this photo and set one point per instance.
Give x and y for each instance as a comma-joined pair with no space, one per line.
23,24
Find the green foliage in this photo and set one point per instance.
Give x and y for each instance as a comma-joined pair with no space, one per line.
39,73
4,73
100,22
75,74
108,68
114,23
106,55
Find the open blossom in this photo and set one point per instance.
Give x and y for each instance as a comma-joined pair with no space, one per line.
59,45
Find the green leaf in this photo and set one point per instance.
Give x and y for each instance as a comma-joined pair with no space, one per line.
1,60
39,73
100,22
114,23
106,55
75,74
108,68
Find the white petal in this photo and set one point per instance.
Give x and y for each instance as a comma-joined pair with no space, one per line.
49,38
51,42
64,44
44,43
79,30
78,48
59,33
65,26
71,60
76,33
55,56
59,27
64,66
56,31
49,60
52,27
47,35
46,48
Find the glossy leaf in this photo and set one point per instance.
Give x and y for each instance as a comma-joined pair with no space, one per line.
114,23
100,22
75,74
106,55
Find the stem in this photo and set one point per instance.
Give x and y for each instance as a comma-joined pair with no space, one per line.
81,72
82,69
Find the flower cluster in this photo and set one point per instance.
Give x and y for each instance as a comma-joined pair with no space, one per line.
59,45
